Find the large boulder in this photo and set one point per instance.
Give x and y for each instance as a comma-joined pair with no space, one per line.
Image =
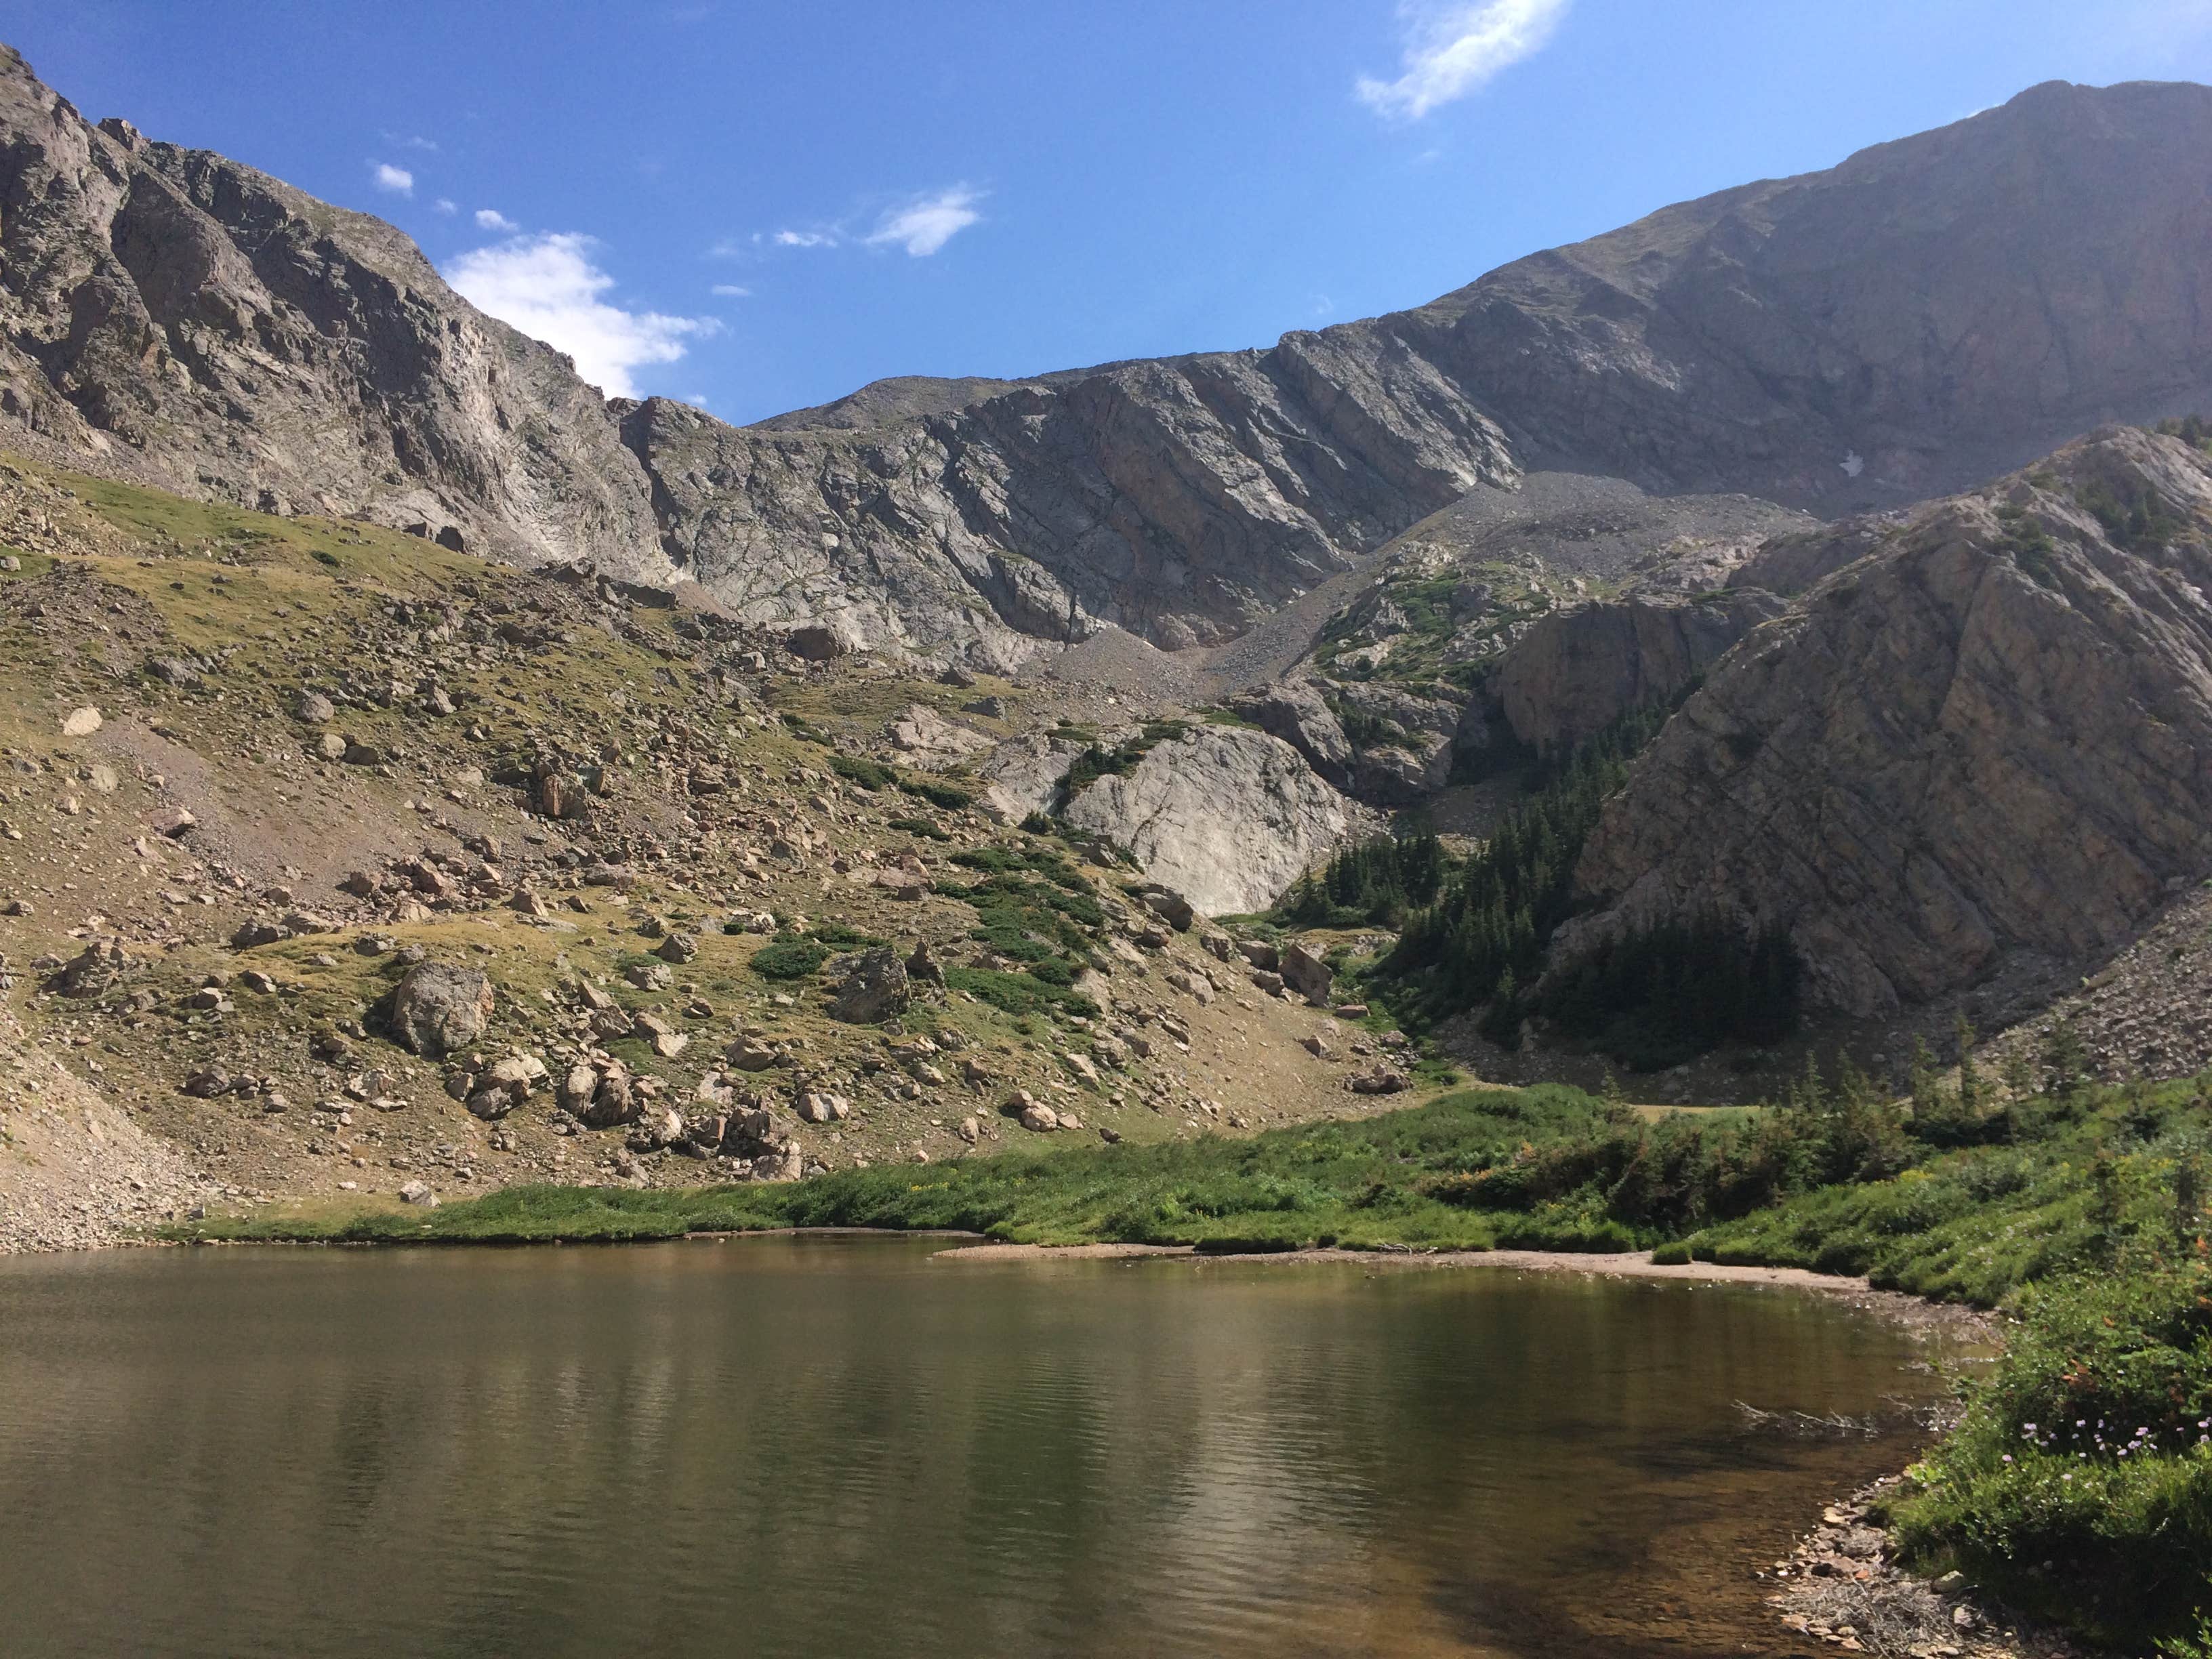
441,1008
817,643
1295,712
1308,974
1226,816
614,1102
874,988
93,971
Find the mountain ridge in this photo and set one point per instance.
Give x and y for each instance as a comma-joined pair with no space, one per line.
1925,313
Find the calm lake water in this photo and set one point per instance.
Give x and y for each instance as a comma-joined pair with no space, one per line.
835,1446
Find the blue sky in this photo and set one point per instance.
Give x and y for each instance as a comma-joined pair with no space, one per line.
759,207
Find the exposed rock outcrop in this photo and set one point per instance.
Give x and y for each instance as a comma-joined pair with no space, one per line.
1578,671
1990,737
927,738
1022,776
1227,817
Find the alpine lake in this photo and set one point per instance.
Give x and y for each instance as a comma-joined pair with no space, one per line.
840,1445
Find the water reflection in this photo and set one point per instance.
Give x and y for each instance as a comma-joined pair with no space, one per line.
836,1447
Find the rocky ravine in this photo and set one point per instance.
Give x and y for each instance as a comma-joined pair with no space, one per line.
1513,620
1987,743
1909,320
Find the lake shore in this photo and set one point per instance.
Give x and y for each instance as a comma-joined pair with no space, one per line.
1838,1583
1917,1312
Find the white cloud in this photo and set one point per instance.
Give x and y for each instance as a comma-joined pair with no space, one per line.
803,239
493,219
397,181
922,227
1453,47
548,287
418,142
731,291
445,204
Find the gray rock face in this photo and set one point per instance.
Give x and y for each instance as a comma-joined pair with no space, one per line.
1023,774
172,317
1791,338
1762,338
1178,499
1787,565
1576,672
1227,817
1296,712
438,1007
1990,739
1401,739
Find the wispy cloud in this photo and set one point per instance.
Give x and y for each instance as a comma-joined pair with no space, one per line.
396,181
445,204
731,291
550,287
922,225
1454,46
493,219
926,224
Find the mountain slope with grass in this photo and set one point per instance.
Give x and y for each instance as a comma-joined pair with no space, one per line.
337,863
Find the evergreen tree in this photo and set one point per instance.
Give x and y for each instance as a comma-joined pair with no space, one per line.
1970,1077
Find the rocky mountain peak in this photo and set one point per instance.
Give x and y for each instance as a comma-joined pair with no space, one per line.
175,317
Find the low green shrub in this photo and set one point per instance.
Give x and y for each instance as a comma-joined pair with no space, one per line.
866,774
945,797
789,956
2079,1485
